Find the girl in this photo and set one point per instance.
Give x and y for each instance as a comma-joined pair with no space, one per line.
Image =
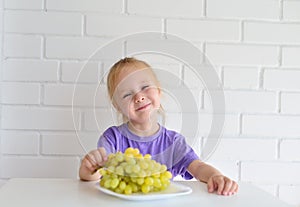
135,92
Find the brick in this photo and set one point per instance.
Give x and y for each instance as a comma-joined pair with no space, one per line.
68,144
16,143
80,72
40,167
22,46
241,78
174,121
220,30
242,54
152,48
245,101
168,76
94,119
287,33
291,10
269,188
242,149
270,172
42,22
193,79
20,93
243,9
30,70
39,118
231,123
289,194
290,103
76,95
290,56
282,79
289,150
271,126
19,4
189,8
122,24
181,100
79,48
85,5
228,168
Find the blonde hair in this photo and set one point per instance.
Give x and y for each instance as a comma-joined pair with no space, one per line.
120,66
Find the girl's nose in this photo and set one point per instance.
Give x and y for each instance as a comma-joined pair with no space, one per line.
139,97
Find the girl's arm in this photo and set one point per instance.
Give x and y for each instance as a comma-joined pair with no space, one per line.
215,179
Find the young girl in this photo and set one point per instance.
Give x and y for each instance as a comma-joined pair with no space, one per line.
135,92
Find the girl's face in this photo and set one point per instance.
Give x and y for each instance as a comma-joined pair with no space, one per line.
137,95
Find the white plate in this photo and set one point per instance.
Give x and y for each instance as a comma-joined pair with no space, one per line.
174,189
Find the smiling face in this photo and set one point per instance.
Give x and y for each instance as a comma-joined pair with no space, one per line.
137,94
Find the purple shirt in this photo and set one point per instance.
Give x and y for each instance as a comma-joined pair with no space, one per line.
166,147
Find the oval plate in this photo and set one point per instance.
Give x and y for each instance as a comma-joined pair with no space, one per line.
174,189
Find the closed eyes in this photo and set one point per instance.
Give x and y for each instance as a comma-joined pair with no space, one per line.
127,95
130,93
144,87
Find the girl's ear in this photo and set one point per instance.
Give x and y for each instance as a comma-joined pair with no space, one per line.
159,92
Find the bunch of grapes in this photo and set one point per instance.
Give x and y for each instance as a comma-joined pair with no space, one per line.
131,172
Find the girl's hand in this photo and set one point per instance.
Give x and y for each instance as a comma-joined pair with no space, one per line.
94,159
222,184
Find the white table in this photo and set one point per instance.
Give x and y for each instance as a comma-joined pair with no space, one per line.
75,193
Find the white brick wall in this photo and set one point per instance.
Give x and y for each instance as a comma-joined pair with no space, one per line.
253,44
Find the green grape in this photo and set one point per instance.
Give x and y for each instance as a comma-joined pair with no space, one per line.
122,185
111,168
119,170
140,181
114,162
150,164
156,183
164,186
136,169
163,168
128,190
118,190
156,175
167,174
144,165
130,161
163,178
119,157
145,188
131,172
134,187
114,183
102,182
142,173
148,173
133,179
149,181
107,183
128,169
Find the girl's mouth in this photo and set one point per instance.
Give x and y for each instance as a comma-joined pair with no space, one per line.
143,107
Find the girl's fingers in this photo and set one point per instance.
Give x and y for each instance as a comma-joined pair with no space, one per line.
88,164
210,185
221,184
234,188
227,186
102,153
